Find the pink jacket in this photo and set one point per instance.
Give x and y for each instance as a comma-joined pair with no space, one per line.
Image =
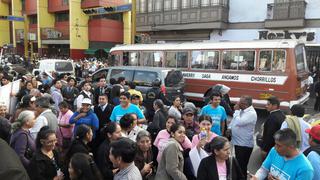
162,139
66,132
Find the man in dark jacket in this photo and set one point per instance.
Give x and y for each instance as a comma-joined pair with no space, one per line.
272,124
101,89
153,94
10,166
103,111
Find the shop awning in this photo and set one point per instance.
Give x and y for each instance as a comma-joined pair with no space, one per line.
90,51
107,50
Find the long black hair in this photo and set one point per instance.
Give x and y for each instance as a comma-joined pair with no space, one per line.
109,129
84,167
44,133
82,131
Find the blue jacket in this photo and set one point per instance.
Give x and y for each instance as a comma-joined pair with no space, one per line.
91,120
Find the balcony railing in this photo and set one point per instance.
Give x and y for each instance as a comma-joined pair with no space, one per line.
286,10
177,17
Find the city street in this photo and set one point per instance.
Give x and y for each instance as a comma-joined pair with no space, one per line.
255,159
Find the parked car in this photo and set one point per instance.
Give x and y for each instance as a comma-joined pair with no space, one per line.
143,77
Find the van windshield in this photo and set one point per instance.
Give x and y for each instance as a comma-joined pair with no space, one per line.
63,66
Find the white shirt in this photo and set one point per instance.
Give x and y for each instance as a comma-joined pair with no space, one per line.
80,98
242,127
40,122
133,133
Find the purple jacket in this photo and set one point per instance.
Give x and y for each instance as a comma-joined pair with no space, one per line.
21,140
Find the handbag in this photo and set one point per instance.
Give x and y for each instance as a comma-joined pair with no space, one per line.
65,141
28,152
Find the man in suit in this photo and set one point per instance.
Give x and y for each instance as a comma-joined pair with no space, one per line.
271,125
103,110
101,89
70,92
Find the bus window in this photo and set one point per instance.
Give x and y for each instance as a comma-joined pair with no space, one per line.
131,59
205,59
300,60
177,59
152,59
182,59
114,60
171,60
265,60
279,60
239,60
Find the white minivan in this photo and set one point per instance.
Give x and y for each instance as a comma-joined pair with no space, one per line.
59,66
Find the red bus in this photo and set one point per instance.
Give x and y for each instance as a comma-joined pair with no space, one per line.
256,68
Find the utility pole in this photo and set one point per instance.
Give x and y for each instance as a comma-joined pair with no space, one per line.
133,20
26,38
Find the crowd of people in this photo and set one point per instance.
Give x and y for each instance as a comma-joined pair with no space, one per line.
61,130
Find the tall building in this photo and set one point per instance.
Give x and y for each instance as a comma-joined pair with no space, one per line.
68,28
231,20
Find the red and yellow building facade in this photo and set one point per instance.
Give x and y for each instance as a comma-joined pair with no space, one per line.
62,28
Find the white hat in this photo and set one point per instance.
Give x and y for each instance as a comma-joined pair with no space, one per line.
86,101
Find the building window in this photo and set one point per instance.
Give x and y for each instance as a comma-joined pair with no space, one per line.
216,2
174,4
150,5
143,6
33,19
205,3
158,5
194,3
23,4
185,4
167,5
138,6
65,2
60,17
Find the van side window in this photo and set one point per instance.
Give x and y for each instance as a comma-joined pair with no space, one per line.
205,59
116,73
144,78
177,59
152,59
238,60
272,60
100,74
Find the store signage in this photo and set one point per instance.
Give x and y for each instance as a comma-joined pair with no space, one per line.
50,33
12,18
302,35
